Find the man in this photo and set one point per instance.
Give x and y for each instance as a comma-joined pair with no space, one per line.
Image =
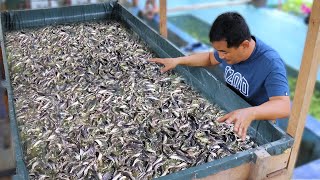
252,69
150,10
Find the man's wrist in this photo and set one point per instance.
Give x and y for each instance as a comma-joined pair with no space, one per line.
253,112
179,61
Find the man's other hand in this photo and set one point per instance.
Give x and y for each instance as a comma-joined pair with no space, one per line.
169,63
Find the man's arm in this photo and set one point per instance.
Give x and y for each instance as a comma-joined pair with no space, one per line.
277,107
199,59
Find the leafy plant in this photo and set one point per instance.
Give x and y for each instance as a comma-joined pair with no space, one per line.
294,6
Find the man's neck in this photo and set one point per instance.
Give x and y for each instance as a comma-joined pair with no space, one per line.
252,45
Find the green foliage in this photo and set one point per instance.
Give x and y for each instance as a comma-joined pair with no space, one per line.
314,109
294,6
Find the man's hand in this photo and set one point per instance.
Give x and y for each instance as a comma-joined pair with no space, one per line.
277,107
169,63
241,118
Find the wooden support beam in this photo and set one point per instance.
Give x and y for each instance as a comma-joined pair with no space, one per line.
163,18
278,163
269,167
7,165
279,175
266,167
6,178
239,172
260,167
305,83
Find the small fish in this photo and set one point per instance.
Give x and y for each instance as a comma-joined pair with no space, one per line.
89,103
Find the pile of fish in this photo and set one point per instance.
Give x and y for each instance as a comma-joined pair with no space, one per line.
90,105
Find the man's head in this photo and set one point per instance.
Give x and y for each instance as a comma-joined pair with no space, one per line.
230,36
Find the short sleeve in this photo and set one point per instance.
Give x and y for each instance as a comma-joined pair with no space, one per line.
276,83
216,55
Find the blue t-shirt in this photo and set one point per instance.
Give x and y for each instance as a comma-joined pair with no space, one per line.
261,76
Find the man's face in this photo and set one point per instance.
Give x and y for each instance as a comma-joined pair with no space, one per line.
231,55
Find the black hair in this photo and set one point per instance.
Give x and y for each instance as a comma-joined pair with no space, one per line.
231,27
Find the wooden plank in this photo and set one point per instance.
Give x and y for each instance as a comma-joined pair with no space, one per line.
7,165
266,167
3,7
305,83
5,178
259,169
207,5
278,162
237,173
163,18
279,175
